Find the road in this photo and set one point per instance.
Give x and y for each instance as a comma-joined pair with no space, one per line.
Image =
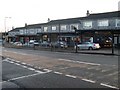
60,69
24,76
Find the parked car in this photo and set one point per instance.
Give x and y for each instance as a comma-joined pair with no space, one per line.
88,45
60,44
17,44
1,42
33,43
45,44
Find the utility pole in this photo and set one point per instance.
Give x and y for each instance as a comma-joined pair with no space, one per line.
76,49
6,27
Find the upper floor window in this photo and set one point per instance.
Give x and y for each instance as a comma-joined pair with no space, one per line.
31,31
73,25
103,23
117,22
45,29
39,30
63,27
54,28
87,24
21,31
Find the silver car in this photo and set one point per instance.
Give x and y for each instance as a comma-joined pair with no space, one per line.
88,45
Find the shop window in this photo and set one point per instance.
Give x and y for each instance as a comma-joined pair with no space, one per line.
103,23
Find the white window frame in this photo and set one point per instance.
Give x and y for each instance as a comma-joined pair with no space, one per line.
45,29
116,22
32,31
21,31
54,28
103,23
87,24
63,27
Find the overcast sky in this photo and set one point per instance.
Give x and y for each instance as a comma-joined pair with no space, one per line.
38,11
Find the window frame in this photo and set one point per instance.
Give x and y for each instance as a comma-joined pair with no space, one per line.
116,22
103,23
86,26
65,27
45,29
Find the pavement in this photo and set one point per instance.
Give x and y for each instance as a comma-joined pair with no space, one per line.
102,51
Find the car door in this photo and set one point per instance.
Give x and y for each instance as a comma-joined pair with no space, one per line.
82,46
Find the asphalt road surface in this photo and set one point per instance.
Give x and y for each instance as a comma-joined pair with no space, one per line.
44,69
18,75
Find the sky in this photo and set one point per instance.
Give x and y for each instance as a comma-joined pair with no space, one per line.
38,11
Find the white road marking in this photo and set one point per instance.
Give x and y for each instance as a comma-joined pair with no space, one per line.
24,66
113,73
17,61
79,62
88,80
58,73
24,76
24,63
17,64
10,62
32,69
71,76
40,71
47,70
108,86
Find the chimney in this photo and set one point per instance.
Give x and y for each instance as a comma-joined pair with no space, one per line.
12,27
25,24
88,13
48,19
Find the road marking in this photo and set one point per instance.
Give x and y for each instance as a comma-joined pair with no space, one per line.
113,73
47,70
17,64
23,63
24,76
79,62
88,80
32,69
24,66
58,73
40,72
17,61
71,76
108,86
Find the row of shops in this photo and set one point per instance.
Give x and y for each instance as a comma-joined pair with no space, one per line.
104,35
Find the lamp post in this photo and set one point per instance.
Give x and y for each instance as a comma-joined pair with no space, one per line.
5,26
76,49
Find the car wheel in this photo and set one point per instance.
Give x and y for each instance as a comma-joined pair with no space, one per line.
90,48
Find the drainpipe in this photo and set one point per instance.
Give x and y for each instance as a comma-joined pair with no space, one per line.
112,42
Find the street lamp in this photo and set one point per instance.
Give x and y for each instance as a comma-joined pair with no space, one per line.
5,25
76,49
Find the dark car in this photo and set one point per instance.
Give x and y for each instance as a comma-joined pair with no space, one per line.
45,44
60,44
